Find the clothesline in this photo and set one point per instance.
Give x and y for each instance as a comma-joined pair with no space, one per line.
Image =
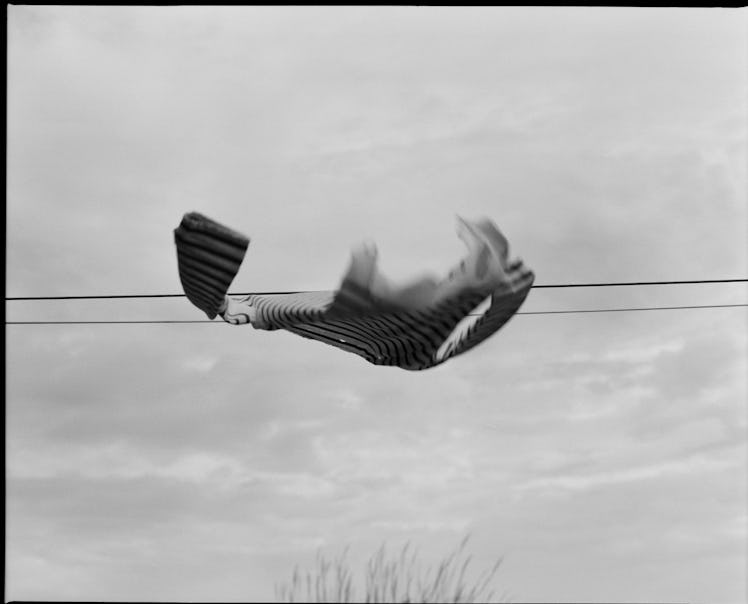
539,312
546,286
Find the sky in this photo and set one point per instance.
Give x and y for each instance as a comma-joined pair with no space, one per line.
602,456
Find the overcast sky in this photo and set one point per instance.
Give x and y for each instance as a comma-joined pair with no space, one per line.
603,455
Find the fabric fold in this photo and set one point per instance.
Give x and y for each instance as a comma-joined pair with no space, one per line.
208,257
414,326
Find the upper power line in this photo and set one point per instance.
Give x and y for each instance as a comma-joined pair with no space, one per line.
546,286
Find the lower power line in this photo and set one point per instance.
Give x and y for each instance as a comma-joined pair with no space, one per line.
539,312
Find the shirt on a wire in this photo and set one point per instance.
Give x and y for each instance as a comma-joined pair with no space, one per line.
415,326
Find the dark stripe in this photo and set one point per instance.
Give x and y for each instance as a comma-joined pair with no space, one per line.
235,316
278,314
198,293
457,311
409,345
200,266
293,310
194,287
451,314
232,250
431,317
366,332
224,250
384,350
418,350
397,349
429,349
391,349
416,334
340,331
227,267
199,224
423,325
309,332
304,309
203,278
502,309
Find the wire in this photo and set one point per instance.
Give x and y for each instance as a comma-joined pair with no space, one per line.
549,286
539,312
125,296
559,312
639,283
137,322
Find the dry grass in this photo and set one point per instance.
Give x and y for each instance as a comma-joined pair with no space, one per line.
397,579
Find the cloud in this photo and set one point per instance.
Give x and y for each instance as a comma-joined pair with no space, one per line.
633,474
204,461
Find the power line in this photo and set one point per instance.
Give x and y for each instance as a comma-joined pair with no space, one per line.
547,286
539,312
135,322
626,283
126,296
559,312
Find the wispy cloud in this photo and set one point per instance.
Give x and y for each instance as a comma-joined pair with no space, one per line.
649,472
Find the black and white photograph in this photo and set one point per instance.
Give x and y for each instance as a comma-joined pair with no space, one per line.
376,303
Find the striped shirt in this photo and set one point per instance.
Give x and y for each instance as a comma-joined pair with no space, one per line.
414,328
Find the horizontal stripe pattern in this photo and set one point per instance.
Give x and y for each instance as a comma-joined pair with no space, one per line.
382,330
208,257
505,302
350,319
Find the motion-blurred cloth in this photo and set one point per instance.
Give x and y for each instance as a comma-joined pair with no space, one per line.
414,326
